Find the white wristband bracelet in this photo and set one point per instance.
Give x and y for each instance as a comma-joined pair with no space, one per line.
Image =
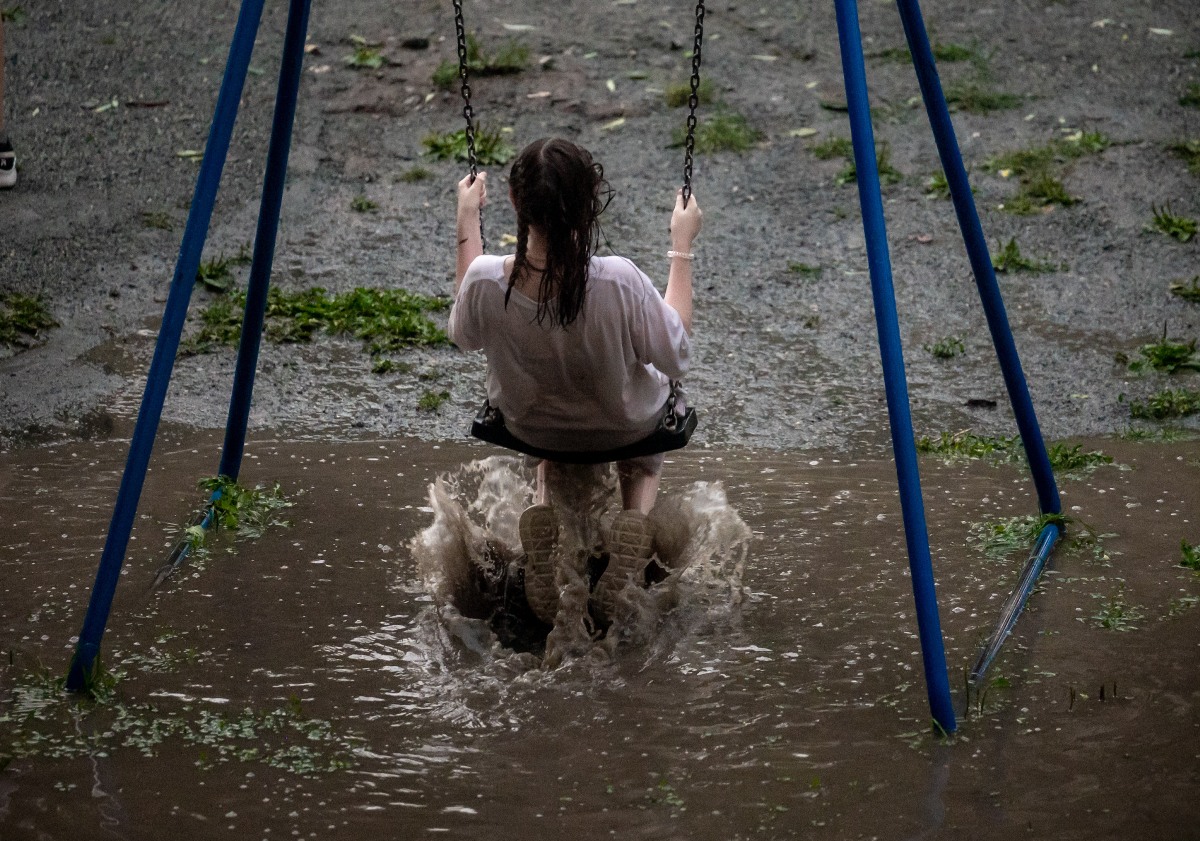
683,254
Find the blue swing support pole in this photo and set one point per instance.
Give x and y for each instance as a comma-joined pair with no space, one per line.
997,320
199,218
916,532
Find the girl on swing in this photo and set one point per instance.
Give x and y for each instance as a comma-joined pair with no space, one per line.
580,349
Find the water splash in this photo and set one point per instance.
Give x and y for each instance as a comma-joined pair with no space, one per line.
470,562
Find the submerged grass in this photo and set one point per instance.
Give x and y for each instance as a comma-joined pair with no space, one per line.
491,147
23,318
387,319
1070,460
998,539
1190,556
44,721
247,511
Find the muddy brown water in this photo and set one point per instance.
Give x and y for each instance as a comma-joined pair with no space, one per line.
309,684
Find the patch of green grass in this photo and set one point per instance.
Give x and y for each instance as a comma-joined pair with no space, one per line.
937,186
22,320
158,219
1187,291
888,174
511,57
387,319
978,97
366,56
216,273
247,511
1189,150
998,539
13,14
1167,356
362,204
947,52
1037,192
679,94
1166,404
806,269
966,445
1072,458
1117,614
1182,228
416,173
1008,258
431,401
491,149
723,131
1190,555
1036,159
834,147
947,348
1191,95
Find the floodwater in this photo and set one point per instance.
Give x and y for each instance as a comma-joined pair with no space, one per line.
319,682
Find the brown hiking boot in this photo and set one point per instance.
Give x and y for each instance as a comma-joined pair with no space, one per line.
539,537
630,543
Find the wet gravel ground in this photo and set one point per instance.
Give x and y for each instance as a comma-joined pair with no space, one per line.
783,359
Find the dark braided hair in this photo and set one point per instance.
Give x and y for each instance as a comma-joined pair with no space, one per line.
558,188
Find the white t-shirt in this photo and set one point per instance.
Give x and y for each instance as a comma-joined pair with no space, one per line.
601,382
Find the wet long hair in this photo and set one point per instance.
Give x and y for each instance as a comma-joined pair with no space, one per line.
558,188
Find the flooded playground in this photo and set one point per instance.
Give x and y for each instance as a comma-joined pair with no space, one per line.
345,675
316,682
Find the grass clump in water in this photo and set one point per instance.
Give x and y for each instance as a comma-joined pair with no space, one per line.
511,57
1116,613
998,539
491,149
724,131
1166,404
387,319
966,445
947,348
22,320
1009,259
247,511
1182,228
679,94
1191,556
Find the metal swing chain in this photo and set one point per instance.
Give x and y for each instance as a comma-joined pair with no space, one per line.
693,101
468,112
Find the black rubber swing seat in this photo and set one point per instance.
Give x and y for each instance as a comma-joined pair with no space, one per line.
672,433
